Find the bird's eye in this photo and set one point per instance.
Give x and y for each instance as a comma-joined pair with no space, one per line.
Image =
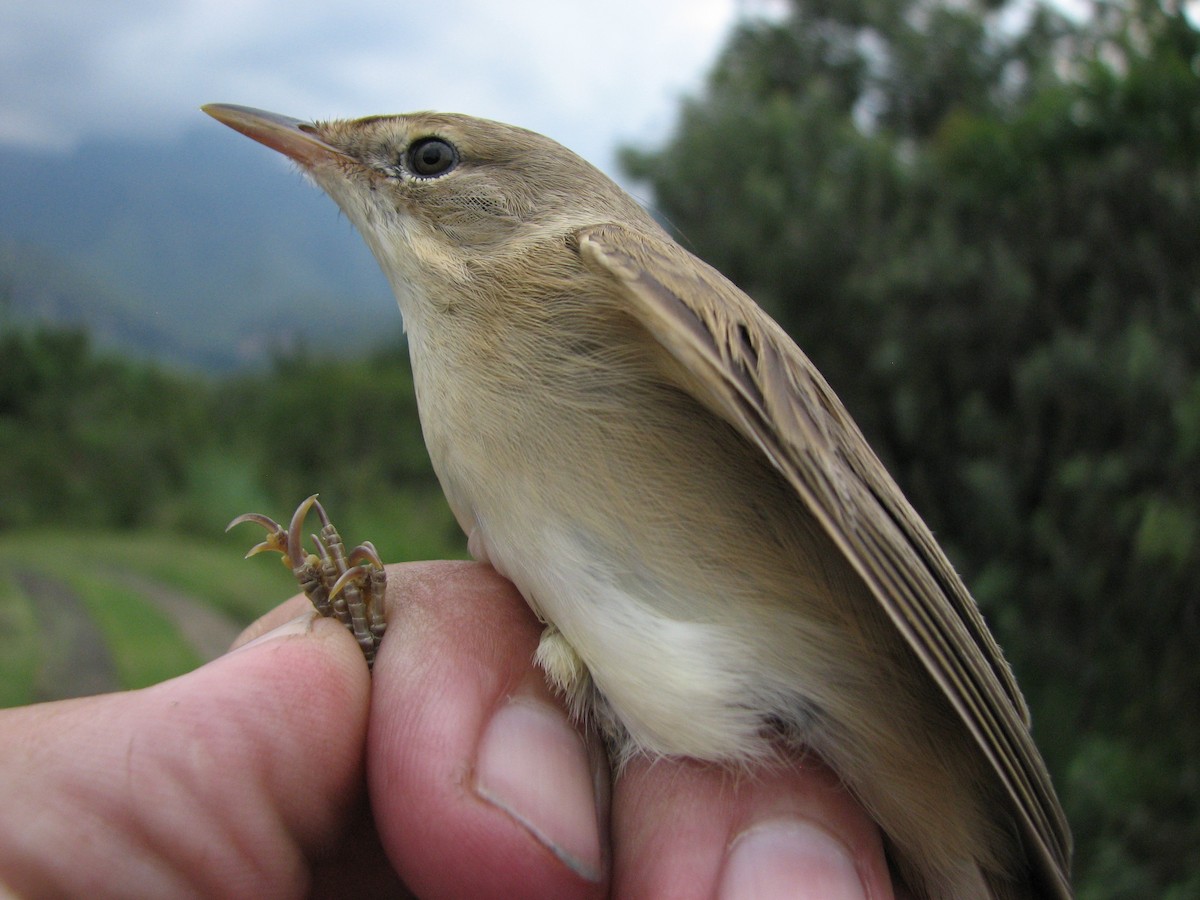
431,157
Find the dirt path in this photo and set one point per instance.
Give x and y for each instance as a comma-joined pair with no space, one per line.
208,631
75,658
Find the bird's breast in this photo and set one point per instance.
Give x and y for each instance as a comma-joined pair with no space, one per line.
676,562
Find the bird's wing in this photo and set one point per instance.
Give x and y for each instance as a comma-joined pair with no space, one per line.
745,369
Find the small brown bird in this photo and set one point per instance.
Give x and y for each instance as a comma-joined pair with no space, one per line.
724,567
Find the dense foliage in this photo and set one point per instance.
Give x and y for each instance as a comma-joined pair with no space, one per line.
982,226
87,439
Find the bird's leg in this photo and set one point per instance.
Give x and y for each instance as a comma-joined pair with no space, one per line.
347,586
563,667
360,590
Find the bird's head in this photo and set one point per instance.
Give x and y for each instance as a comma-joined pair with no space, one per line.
441,194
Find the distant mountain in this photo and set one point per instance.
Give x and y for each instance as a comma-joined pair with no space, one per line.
206,251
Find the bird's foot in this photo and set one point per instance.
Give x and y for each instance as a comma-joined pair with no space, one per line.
347,586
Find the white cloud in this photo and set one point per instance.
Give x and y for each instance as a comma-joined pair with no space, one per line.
588,74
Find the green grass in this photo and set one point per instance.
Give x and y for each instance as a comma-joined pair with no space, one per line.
404,525
143,642
18,645
210,570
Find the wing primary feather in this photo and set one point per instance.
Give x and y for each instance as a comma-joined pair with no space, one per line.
744,368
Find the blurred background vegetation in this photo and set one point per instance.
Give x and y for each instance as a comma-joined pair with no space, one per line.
980,220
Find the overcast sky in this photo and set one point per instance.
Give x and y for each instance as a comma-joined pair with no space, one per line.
590,74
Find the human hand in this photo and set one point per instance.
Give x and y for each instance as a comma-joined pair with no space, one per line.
251,776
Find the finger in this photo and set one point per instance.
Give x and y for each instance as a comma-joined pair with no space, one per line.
229,781
479,783
686,829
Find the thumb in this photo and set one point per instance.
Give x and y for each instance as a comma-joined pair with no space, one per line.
226,781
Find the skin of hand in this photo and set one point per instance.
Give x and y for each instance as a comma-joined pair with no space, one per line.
284,769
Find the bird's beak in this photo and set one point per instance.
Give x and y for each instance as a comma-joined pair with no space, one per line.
291,137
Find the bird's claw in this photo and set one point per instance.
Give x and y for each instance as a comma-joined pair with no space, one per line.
348,586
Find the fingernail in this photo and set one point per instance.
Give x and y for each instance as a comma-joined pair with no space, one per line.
534,766
302,624
789,858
